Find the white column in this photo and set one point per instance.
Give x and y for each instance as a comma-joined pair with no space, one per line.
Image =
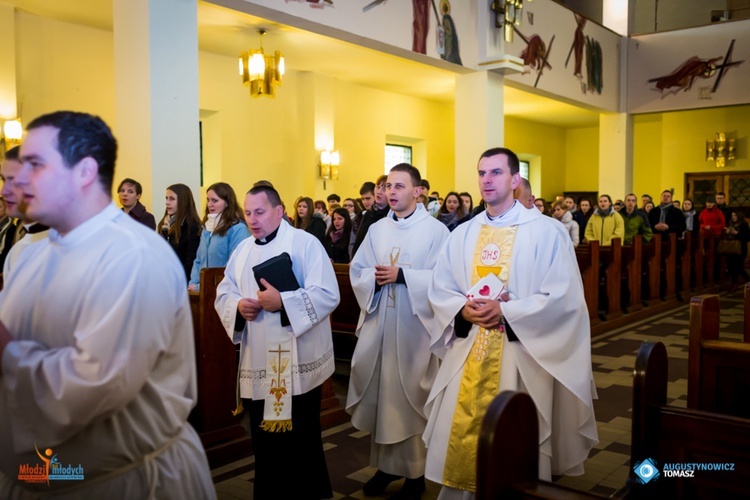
479,122
8,97
156,94
615,154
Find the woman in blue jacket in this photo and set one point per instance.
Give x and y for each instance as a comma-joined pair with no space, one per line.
223,229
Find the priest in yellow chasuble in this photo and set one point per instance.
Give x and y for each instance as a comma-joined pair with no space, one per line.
536,338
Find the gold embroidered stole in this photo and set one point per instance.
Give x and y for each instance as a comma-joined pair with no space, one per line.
480,381
277,408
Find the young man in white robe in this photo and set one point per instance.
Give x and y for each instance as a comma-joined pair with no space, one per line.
286,348
28,231
535,339
97,371
392,367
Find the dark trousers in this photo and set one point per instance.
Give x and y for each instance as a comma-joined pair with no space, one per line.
290,464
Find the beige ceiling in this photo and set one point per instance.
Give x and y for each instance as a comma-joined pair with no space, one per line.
225,31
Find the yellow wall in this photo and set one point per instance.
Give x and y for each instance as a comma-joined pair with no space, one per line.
582,159
668,145
543,146
647,158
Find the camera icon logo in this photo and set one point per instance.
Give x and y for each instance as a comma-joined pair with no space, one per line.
646,470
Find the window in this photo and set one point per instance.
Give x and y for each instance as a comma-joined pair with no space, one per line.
395,154
523,169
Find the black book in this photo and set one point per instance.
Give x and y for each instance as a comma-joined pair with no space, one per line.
278,272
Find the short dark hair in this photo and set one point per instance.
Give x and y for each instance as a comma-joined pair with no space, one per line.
263,183
381,180
13,153
333,197
273,196
426,184
667,191
513,162
367,187
136,185
416,177
606,196
720,193
81,135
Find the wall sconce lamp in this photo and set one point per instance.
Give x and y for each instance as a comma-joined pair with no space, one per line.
260,72
507,13
12,133
329,166
720,150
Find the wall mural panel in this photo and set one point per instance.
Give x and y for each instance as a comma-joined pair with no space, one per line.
584,65
695,68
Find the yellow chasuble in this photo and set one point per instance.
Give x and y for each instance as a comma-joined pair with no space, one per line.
480,381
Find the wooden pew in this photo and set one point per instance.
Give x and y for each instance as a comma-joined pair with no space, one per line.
669,434
221,433
698,251
651,270
508,453
746,323
631,273
345,317
588,263
668,267
611,258
684,247
718,370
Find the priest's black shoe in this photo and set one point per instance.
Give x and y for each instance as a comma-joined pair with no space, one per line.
411,490
378,483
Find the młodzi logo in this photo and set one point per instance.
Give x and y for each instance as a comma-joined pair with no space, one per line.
646,470
49,470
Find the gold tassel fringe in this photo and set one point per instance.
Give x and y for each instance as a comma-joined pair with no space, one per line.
276,425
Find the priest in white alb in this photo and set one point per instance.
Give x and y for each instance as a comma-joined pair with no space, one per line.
535,339
392,366
97,362
286,348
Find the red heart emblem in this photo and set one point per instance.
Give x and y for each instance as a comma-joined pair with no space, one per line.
484,291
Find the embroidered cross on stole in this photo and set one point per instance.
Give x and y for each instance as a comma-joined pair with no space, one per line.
480,381
277,407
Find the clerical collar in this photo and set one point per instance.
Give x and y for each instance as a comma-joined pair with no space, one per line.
496,217
35,228
269,238
403,218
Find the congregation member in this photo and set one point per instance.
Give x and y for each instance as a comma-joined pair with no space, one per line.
27,231
586,207
223,229
433,199
572,207
523,193
286,349
7,231
339,237
647,207
566,218
692,223
451,211
467,201
605,224
634,221
320,211
646,198
392,367
537,339
305,219
334,201
129,191
181,225
665,218
367,195
737,230
541,205
711,218
97,362
721,203
377,211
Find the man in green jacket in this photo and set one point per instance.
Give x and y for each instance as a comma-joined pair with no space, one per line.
635,222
